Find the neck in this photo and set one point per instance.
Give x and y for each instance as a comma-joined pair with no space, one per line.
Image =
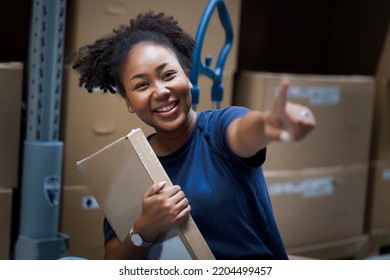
165,143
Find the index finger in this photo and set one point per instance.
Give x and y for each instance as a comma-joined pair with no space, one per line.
281,100
155,189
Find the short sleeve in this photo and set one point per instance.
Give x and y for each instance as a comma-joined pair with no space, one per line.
215,132
108,231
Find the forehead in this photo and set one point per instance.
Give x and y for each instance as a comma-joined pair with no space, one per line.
149,51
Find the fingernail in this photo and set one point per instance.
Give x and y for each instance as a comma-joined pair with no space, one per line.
161,184
284,136
286,80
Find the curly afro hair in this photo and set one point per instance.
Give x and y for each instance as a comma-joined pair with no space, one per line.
100,64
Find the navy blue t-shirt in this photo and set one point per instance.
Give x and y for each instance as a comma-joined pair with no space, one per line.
228,195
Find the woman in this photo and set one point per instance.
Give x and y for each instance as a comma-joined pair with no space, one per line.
213,157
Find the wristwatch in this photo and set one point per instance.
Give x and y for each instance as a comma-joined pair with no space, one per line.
137,240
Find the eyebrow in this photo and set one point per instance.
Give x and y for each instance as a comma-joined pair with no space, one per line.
142,75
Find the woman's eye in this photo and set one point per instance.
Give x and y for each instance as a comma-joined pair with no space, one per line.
141,86
168,75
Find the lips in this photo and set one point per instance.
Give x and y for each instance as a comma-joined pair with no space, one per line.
166,108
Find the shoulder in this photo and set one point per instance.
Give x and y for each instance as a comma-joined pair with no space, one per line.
213,126
218,120
227,114
226,111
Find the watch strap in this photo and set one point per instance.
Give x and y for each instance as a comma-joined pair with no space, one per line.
143,242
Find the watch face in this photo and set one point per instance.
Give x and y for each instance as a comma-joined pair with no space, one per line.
136,239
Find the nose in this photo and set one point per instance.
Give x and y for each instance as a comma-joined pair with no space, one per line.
161,90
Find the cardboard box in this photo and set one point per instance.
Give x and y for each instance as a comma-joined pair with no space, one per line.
378,208
5,223
381,125
379,239
118,175
355,247
342,105
321,205
383,69
11,82
380,141
90,19
82,220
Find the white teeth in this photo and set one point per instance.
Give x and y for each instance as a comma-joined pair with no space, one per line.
166,108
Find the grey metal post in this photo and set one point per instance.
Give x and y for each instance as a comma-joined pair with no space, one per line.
42,159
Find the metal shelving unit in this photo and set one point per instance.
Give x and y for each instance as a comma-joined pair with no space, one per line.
42,158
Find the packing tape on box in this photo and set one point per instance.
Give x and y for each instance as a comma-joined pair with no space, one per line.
89,202
317,187
386,174
316,96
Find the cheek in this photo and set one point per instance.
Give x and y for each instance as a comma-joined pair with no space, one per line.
185,87
136,100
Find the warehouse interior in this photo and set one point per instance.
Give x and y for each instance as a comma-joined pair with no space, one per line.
330,192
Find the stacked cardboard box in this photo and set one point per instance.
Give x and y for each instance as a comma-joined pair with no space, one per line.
91,19
82,220
11,81
318,186
91,121
5,222
378,220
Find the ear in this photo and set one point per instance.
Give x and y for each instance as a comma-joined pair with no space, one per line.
129,107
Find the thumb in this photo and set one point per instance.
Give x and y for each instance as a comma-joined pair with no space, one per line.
278,134
284,136
155,189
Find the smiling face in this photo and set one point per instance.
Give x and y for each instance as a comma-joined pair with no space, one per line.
157,88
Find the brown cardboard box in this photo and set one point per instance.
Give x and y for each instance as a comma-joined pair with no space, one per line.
82,220
355,247
314,206
91,121
342,105
381,124
5,223
118,176
379,239
379,196
11,81
90,19
383,69
380,141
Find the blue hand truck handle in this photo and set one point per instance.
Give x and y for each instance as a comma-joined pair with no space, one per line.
204,68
